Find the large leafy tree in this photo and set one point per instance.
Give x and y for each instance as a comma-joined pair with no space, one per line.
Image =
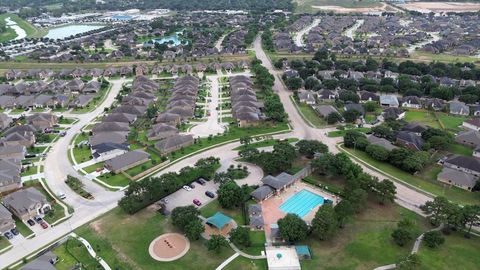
292,228
240,236
385,191
470,217
324,224
343,211
216,242
230,195
310,147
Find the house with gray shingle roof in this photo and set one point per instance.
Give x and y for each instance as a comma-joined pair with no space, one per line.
325,110
16,152
459,108
126,161
262,193
10,174
5,121
466,164
120,117
6,220
44,262
27,203
389,101
457,178
470,138
108,150
410,140
161,131
381,142
108,136
174,143
111,126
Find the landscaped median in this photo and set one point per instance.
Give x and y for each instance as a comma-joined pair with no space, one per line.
429,187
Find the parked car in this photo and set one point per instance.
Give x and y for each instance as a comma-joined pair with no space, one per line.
44,224
201,181
14,231
191,185
31,222
197,202
187,188
61,195
38,219
8,235
210,194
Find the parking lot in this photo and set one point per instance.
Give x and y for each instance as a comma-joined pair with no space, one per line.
184,198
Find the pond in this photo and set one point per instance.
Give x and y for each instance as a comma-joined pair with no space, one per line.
121,17
70,30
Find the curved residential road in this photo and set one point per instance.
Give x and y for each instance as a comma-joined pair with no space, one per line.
57,166
406,196
299,36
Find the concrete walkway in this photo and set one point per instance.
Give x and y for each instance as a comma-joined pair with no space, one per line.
91,251
227,261
243,254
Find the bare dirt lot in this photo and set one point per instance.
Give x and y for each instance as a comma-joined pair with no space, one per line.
381,7
427,7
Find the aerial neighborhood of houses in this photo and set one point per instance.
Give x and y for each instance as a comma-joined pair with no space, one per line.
279,135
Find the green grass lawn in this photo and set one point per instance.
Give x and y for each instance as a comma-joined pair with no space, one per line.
55,214
454,194
66,121
310,115
242,263
214,207
4,243
258,243
30,170
140,168
122,240
424,117
81,137
307,5
93,167
22,228
460,149
72,252
36,149
118,180
341,133
456,253
451,122
442,57
364,243
82,153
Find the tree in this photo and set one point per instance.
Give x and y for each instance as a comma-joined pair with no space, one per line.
411,262
274,108
285,150
230,195
245,140
333,118
312,83
401,236
358,197
324,224
370,106
470,216
216,242
310,147
292,228
377,152
343,211
385,191
351,137
240,236
181,216
294,83
438,210
194,229
433,239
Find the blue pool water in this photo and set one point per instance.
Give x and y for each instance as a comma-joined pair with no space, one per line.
302,203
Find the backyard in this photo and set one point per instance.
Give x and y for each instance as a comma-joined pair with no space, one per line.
424,117
72,252
309,114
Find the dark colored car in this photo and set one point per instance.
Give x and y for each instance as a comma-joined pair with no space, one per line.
8,235
38,219
210,194
31,222
14,231
197,202
201,181
191,185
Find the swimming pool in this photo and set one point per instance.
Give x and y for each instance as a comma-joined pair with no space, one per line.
302,203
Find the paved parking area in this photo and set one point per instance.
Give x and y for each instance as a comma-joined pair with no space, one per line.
184,198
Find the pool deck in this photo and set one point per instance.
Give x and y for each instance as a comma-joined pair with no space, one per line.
271,207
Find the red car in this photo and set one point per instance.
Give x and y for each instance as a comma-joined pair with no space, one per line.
197,202
44,225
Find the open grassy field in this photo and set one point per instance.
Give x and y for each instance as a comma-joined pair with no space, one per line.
309,114
451,122
443,57
341,133
118,180
31,30
422,116
454,194
122,240
364,243
242,263
72,252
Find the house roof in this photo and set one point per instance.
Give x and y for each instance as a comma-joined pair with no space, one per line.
279,181
124,160
257,221
108,146
466,162
458,177
43,262
391,100
113,137
173,141
474,122
471,136
415,127
381,142
325,110
262,192
411,138
254,208
459,108
23,199
110,126
219,220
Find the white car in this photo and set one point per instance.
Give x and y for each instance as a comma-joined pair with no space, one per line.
61,195
187,188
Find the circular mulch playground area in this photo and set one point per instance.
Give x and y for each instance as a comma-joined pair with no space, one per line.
169,247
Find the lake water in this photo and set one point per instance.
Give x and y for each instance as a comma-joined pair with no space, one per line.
70,30
121,17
